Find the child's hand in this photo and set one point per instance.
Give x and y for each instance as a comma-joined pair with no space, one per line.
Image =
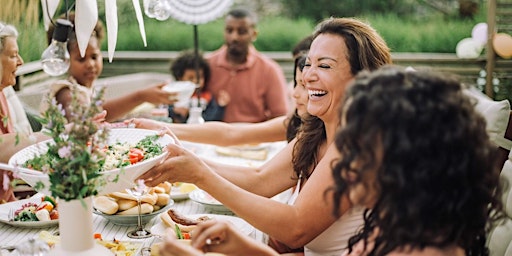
223,98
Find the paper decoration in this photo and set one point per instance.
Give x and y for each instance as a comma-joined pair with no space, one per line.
502,44
52,7
138,13
112,26
198,11
86,17
468,48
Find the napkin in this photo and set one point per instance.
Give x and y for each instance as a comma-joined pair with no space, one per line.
251,154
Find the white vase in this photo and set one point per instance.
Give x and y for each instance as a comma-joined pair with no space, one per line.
75,228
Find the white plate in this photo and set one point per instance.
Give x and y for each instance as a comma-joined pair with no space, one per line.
126,175
210,203
176,193
244,227
4,214
131,220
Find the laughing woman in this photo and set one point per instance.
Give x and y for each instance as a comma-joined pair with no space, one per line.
15,130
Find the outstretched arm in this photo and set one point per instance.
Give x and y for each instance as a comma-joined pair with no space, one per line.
240,192
223,134
120,106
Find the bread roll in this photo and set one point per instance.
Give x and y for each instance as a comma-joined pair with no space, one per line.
157,190
167,186
144,209
125,204
105,204
147,198
163,199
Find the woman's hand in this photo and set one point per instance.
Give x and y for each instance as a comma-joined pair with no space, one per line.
174,247
222,237
150,124
180,165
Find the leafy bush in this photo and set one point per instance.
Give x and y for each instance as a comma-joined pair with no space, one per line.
420,34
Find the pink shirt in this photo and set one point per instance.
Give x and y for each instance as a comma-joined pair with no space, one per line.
257,89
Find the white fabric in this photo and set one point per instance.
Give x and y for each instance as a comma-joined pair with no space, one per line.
334,240
500,238
496,113
17,114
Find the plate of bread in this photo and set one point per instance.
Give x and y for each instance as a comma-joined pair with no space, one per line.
121,207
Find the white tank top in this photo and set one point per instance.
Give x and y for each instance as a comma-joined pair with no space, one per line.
334,240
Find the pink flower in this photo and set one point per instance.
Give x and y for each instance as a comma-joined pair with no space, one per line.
6,183
65,151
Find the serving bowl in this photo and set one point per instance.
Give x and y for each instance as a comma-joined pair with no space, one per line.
125,175
184,90
131,220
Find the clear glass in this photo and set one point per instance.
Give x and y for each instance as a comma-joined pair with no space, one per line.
55,59
138,190
33,247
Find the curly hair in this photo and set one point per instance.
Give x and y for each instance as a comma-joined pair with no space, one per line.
187,60
437,180
98,31
366,50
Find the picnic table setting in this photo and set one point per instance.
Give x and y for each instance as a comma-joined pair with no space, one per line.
41,221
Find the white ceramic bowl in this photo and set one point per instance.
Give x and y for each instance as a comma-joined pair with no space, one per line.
210,204
184,90
126,175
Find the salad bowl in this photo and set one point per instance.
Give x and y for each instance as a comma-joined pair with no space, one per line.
117,179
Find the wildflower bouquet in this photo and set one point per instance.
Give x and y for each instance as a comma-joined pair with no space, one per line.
75,157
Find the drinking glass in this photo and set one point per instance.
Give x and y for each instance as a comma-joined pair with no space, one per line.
137,191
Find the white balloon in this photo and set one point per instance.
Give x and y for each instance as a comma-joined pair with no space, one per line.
468,48
479,33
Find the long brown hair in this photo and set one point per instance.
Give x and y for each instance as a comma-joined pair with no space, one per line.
366,50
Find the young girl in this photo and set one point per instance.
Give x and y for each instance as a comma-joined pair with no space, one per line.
83,72
183,69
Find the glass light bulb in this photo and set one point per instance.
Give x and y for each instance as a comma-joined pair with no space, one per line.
149,7
162,10
55,59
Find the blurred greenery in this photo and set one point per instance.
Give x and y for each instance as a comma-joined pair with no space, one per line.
432,34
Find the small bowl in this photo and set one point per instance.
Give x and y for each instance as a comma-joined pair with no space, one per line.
184,89
210,204
131,220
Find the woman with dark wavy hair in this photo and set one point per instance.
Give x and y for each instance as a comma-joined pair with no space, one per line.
341,48
415,151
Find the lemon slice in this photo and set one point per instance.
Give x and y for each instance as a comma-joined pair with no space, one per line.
187,188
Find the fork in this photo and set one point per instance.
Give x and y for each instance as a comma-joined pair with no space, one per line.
11,214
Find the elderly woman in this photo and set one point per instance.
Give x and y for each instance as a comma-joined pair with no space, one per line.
15,130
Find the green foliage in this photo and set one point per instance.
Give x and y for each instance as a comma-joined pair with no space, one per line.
432,33
74,161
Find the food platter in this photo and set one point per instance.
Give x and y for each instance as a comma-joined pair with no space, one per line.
125,175
245,228
13,206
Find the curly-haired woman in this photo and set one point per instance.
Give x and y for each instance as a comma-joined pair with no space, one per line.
415,151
